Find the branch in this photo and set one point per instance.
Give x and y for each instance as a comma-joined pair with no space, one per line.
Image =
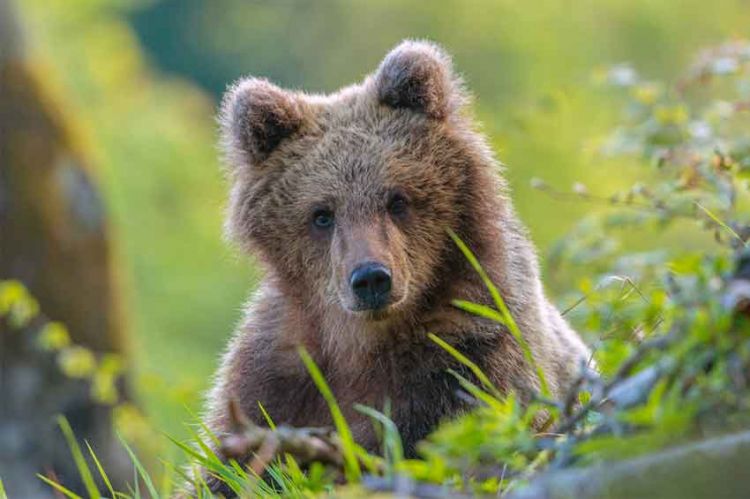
306,445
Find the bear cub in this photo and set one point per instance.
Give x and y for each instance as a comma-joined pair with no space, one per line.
347,201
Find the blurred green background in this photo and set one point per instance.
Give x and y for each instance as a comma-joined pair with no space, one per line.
141,80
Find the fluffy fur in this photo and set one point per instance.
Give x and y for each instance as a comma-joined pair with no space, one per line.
403,131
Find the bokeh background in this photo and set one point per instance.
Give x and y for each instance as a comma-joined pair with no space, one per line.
138,82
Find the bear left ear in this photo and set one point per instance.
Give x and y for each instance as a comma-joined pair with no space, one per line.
256,116
418,75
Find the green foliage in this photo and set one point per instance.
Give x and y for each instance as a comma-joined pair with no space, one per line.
20,311
692,134
17,306
647,279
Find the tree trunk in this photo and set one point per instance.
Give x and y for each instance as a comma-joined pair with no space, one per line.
53,239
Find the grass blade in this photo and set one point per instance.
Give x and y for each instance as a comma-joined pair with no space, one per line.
141,470
137,492
80,461
267,416
57,487
394,448
507,318
214,439
99,468
474,390
723,225
211,463
166,487
351,465
479,310
475,369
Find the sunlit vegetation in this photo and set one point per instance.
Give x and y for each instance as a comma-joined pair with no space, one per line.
633,178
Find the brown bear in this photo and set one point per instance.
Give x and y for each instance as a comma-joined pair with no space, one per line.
346,200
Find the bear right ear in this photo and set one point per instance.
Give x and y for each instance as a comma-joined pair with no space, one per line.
256,116
418,75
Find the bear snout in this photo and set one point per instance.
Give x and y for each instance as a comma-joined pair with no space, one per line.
371,285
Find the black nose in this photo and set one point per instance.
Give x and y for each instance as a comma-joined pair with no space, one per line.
371,283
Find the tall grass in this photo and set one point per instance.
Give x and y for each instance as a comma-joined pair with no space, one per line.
502,315
351,464
284,477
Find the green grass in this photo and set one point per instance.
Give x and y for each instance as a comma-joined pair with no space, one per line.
101,471
352,469
502,315
393,448
475,369
722,224
78,458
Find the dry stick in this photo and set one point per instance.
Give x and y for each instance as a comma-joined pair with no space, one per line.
572,396
572,196
621,375
575,304
636,205
645,347
305,444
268,450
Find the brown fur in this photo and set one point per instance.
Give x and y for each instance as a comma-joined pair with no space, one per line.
404,129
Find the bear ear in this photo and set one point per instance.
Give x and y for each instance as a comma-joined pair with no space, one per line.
256,116
418,75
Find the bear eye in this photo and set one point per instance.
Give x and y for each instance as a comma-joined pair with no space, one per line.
398,205
323,218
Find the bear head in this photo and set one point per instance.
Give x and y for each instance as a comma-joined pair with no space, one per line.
347,197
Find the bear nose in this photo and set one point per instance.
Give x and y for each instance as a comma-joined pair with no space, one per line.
371,284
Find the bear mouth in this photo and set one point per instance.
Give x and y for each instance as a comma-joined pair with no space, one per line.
381,314
369,312
376,315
